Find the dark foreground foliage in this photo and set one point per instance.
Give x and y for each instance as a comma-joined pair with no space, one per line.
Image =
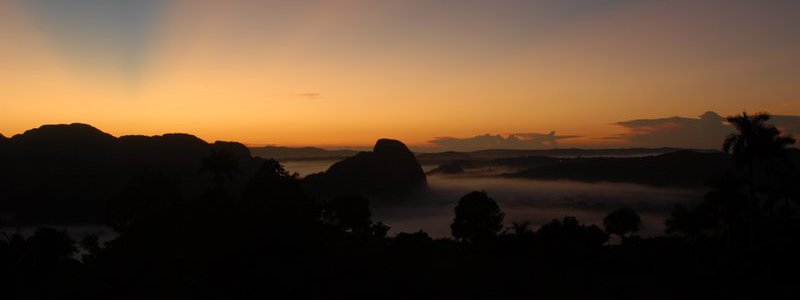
275,242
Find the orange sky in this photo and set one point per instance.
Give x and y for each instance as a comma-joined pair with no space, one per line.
349,72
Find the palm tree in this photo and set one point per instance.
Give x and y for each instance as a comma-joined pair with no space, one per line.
755,141
776,149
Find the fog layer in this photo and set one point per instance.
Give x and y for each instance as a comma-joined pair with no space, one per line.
536,201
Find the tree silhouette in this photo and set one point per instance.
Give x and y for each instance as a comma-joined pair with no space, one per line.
520,228
755,141
48,245
478,218
622,222
413,243
91,244
148,194
277,196
350,213
720,211
693,222
746,145
2,231
379,230
566,237
272,183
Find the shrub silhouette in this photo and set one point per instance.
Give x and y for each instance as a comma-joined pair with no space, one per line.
569,235
277,196
49,245
478,218
91,244
622,222
350,213
147,195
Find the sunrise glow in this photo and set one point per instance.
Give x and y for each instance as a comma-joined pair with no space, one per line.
349,72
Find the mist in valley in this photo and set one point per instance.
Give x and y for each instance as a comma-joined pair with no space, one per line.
534,201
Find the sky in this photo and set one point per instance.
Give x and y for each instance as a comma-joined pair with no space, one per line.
428,72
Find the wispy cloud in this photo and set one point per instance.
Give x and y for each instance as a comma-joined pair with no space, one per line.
310,95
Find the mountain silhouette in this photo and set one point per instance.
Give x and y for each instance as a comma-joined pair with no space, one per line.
390,168
69,173
3,143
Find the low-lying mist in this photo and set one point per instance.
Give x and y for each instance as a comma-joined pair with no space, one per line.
535,201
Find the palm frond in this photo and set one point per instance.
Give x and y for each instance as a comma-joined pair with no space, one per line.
761,117
727,145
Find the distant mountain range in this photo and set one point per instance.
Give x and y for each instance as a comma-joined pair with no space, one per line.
314,153
301,153
491,154
680,168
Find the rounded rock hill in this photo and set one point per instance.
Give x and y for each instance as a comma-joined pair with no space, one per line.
390,168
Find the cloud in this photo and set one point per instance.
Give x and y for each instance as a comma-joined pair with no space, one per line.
488,141
310,96
705,132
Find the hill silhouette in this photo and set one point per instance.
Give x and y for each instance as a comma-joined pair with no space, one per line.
69,173
3,143
390,168
681,168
